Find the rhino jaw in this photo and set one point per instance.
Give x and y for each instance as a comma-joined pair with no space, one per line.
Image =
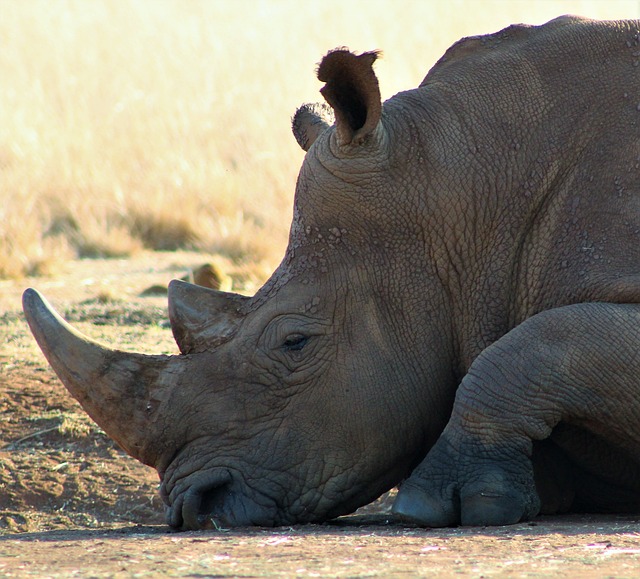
124,393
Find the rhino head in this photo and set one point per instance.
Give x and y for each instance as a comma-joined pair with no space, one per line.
308,399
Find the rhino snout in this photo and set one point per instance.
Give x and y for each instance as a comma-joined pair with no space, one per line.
201,505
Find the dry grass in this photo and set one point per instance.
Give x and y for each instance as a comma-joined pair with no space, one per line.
164,124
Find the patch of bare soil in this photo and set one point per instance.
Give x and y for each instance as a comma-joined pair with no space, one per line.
73,504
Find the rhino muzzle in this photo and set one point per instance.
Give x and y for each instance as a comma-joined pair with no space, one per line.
134,397
200,506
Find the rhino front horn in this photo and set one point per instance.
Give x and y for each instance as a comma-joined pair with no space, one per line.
124,393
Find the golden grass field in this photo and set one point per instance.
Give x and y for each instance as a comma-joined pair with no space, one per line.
162,124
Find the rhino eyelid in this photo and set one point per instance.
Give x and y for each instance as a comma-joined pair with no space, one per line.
295,342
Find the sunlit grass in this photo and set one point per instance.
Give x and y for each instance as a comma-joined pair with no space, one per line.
164,124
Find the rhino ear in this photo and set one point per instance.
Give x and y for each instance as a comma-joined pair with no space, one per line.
353,92
309,121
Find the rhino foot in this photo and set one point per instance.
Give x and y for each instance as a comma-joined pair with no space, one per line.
452,487
414,505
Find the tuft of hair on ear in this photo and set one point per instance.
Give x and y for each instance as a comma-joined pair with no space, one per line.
352,89
342,59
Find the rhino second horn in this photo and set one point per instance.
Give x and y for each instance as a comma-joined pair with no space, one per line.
202,318
123,392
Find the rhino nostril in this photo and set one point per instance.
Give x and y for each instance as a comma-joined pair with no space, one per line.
202,500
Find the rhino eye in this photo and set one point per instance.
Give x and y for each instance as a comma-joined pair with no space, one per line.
295,342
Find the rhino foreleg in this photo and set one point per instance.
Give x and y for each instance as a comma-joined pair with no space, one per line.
578,367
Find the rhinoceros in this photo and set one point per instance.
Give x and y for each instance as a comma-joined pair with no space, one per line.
456,311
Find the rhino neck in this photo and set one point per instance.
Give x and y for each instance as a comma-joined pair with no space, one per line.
477,199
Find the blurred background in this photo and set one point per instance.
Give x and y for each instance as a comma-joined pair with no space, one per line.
128,126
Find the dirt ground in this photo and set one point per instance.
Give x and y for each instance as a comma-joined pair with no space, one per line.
73,504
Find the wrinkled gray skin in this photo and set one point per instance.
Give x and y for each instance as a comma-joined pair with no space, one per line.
457,306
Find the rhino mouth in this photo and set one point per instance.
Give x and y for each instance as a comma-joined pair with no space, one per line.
213,500
201,505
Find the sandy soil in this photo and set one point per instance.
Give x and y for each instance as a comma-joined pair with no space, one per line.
73,504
